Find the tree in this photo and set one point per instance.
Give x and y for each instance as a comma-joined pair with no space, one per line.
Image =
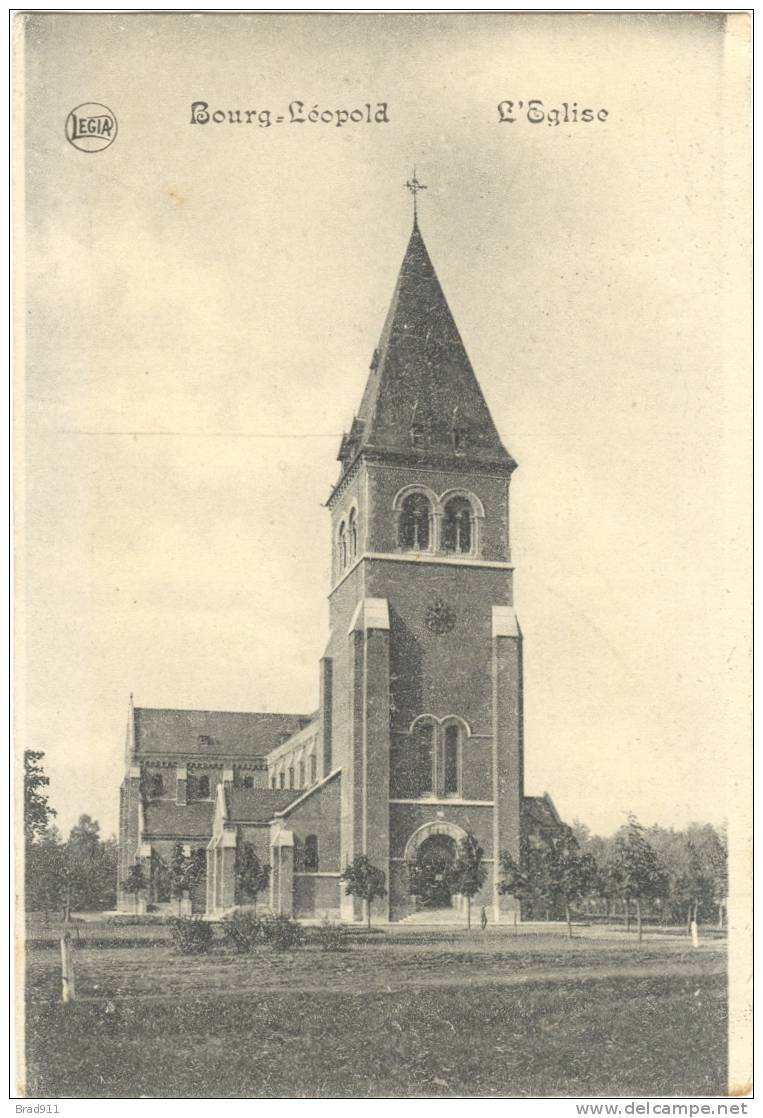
107,877
636,871
695,863
552,871
597,849
469,872
527,878
516,873
715,855
186,871
43,872
709,865
136,881
252,875
571,872
37,811
364,880
88,868
77,874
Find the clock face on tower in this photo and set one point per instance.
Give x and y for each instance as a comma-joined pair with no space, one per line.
439,617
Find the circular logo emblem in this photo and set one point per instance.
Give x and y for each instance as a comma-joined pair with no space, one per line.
91,127
439,617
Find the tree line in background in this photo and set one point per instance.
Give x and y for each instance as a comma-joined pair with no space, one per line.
63,875
667,876
656,873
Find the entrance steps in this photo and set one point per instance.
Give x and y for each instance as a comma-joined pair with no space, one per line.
436,916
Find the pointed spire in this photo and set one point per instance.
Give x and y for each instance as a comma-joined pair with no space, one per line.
421,369
415,186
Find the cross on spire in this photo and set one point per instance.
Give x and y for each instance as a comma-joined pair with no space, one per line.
415,186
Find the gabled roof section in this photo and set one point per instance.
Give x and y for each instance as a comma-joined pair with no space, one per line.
257,805
164,817
305,793
304,736
220,733
540,812
421,380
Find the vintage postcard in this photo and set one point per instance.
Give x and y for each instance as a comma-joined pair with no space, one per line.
383,642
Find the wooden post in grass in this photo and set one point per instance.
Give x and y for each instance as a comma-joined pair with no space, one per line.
67,969
694,934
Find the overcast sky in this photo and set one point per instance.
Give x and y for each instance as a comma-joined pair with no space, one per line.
202,303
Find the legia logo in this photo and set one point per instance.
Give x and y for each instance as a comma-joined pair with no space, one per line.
91,127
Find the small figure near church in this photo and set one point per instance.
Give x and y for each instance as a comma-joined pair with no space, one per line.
483,918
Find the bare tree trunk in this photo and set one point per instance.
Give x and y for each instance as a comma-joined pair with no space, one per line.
627,904
569,921
688,920
469,912
368,912
720,916
638,918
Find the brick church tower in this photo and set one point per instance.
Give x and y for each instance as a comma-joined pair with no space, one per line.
417,741
421,704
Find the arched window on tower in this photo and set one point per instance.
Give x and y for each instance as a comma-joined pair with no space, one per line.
342,546
423,761
415,529
458,526
451,761
352,533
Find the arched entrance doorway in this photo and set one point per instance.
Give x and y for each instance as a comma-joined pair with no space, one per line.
430,853
432,871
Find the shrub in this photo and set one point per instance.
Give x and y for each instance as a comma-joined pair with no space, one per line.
128,919
332,937
191,935
242,930
282,933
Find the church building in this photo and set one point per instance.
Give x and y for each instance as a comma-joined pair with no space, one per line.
418,737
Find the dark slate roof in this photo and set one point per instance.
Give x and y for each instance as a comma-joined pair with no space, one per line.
258,805
228,732
421,374
163,817
540,812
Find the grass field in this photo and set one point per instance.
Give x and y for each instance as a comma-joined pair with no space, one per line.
399,1014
